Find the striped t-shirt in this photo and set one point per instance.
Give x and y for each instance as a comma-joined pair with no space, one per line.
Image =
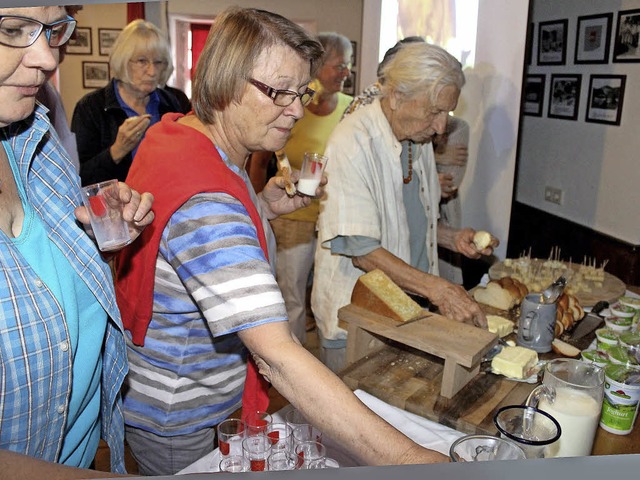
212,279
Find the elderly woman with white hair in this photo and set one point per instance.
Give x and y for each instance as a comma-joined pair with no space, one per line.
392,194
110,122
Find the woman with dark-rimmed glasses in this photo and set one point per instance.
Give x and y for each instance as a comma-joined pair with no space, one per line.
62,348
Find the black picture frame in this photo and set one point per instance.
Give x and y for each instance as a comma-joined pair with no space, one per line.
564,96
529,46
533,94
354,54
593,39
106,39
95,74
552,42
605,99
627,45
80,43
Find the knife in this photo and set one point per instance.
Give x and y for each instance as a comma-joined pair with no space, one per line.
588,324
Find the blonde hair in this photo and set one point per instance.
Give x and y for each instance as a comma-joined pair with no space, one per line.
237,38
138,37
418,68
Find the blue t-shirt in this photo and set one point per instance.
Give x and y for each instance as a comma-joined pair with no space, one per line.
86,322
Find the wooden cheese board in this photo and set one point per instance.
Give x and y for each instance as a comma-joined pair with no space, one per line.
610,289
461,346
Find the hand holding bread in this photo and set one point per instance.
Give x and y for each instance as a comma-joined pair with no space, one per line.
473,244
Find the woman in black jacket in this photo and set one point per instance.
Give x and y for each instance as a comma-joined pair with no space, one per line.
110,122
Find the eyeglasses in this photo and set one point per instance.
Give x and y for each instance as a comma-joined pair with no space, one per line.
283,98
22,32
143,63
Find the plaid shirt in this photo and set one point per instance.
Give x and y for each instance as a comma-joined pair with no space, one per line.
35,353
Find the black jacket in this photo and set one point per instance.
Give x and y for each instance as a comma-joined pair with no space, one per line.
96,119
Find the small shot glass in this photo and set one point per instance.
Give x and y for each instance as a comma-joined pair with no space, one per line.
231,432
234,464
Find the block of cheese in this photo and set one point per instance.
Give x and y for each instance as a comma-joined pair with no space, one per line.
376,292
499,325
495,296
514,362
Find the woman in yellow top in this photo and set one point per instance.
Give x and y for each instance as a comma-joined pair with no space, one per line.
295,232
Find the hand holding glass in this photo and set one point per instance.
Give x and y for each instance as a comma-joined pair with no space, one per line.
103,203
311,172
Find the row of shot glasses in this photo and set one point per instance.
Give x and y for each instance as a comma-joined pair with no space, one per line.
258,444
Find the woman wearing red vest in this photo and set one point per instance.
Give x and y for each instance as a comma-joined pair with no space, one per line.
198,295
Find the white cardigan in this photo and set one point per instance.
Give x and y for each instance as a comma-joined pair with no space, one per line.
364,197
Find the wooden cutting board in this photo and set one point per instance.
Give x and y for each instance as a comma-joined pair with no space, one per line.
612,287
411,380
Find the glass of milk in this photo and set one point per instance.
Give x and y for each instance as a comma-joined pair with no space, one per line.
313,166
571,392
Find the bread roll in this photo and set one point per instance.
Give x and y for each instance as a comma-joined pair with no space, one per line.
496,296
481,240
563,301
567,320
516,287
376,292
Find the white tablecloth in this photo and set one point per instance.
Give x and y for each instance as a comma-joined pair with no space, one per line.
425,432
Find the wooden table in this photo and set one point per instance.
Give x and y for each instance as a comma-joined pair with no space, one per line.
411,380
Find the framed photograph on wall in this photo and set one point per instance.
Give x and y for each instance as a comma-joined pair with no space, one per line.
626,47
106,39
349,85
606,95
95,74
529,47
354,55
552,42
593,38
80,43
533,97
564,96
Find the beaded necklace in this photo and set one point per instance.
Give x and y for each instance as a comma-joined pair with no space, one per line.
409,176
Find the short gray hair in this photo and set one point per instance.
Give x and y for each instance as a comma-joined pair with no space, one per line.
333,42
419,67
139,36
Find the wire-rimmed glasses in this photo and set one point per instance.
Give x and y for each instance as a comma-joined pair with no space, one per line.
22,32
283,98
144,63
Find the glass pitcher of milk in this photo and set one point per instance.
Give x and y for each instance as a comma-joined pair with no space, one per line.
571,392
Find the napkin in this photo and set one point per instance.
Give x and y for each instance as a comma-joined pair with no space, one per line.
255,396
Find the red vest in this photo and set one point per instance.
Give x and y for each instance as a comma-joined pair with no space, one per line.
174,163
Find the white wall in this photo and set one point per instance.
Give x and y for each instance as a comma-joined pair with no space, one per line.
342,16
490,102
595,165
